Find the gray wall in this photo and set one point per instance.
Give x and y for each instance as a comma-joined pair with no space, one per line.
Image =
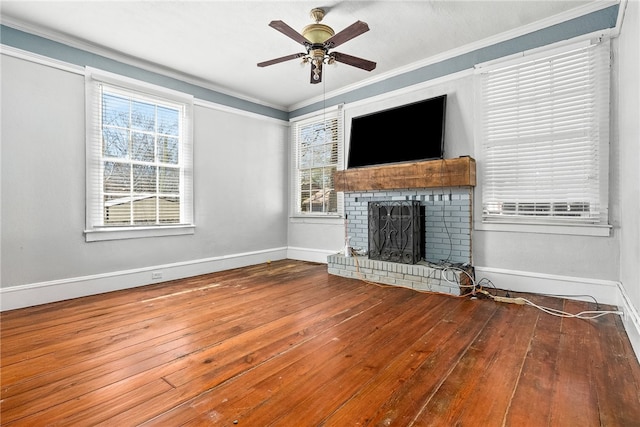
240,163
627,50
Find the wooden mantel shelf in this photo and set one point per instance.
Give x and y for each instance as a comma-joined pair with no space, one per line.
427,174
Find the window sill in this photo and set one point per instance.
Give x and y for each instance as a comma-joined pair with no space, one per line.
317,219
120,233
577,229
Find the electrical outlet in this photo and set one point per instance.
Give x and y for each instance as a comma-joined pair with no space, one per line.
156,275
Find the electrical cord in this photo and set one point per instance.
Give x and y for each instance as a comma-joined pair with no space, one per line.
585,315
477,290
595,301
582,315
444,219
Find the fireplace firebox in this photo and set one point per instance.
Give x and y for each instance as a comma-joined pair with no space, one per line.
396,231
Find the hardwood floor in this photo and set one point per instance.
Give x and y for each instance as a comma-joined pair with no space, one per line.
286,344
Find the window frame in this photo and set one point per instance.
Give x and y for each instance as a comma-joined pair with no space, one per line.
545,224
326,115
95,229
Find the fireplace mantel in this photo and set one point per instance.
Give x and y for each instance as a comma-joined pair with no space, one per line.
456,172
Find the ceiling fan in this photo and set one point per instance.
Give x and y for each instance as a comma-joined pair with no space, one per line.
318,39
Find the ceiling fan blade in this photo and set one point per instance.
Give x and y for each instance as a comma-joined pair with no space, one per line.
289,32
347,34
354,61
281,59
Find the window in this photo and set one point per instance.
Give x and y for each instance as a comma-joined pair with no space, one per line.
318,148
139,161
544,135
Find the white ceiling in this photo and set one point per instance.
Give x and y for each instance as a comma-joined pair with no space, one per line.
219,43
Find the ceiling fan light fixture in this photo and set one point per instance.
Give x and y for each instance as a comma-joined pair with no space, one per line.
317,33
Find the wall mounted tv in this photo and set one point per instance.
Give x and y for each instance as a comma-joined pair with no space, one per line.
408,133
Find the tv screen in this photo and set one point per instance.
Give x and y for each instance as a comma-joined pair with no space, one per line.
411,132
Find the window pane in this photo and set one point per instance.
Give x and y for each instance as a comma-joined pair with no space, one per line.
168,121
305,159
117,177
306,203
117,210
142,146
115,110
323,154
169,180
143,116
169,210
318,154
316,179
322,178
115,143
168,149
144,179
315,134
305,179
144,210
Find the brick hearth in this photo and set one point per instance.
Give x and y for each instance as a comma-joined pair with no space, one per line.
420,276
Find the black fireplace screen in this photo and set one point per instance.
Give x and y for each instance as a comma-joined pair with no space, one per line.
396,231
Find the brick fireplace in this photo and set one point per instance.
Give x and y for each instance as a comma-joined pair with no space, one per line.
444,190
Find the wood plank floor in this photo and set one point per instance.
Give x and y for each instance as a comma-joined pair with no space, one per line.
286,344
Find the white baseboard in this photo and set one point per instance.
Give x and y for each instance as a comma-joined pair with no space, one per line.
57,290
579,288
307,254
631,319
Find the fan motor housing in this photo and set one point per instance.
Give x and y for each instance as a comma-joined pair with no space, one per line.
317,33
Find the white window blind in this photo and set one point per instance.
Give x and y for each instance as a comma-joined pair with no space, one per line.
139,155
318,150
544,131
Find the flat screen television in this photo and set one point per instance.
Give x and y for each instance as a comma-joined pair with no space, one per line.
408,133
